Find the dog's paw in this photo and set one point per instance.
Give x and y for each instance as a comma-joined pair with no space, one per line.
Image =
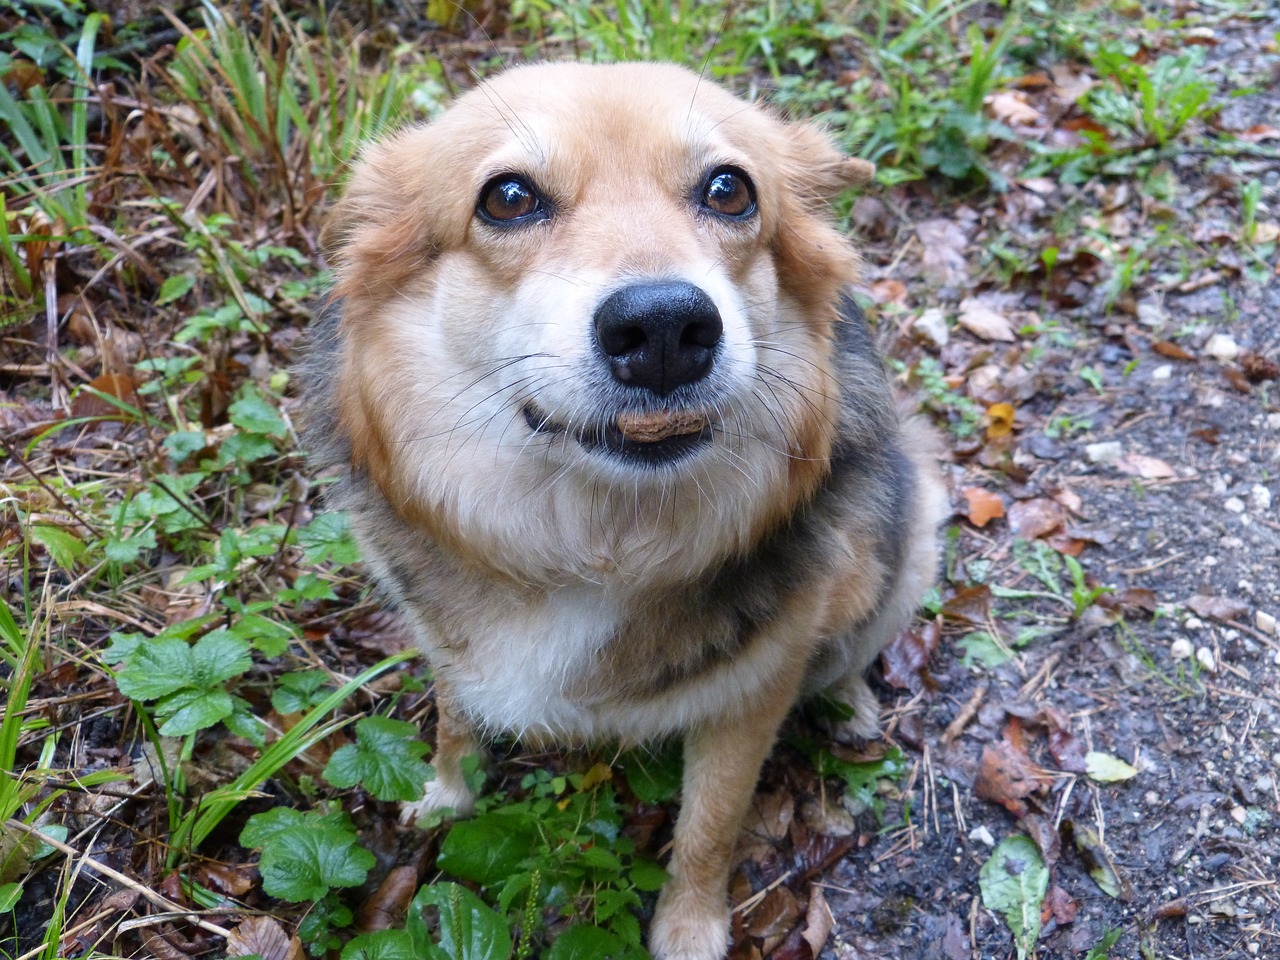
688,927
440,795
854,693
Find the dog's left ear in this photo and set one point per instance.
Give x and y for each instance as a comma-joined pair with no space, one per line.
816,167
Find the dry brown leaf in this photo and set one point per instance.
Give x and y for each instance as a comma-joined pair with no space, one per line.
118,385
984,505
775,915
889,291
1006,775
1011,107
1036,518
980,320
818,920
265,937
386,907
1148,468
1258,368
1171,350
1259,132
943,262
1217,608
906,658
970,604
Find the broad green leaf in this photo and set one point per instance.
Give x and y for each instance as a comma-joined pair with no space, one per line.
297,691
982,650
157,668
175,287
468,929
10,894
386,758
1013,884
1105,768
647,875
591,943
328,537
654,775
382,945
252,413
193,709
490,848
218,656
307,860
64,547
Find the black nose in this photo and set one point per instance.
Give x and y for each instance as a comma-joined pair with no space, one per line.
658,336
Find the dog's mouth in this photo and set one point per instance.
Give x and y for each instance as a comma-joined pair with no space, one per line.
649,439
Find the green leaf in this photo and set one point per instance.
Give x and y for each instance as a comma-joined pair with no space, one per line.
10,894
647,875
468,929
489,848
269,637
328,537
128,549
175,287
863,779
183,443
1107,769
193,709
252,413
1013,883
304,856
386,758
157,668
654,775
298,690
382,945
981,650
218,656
64,547
591,943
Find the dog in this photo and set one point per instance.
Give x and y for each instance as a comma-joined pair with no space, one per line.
614,438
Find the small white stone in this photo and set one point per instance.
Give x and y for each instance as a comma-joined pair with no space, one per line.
1162,372
983,836
1204,657
1264,783
1180,649
1151,798
1193,623
931,326
1234,504
1259,498
1239,814
1106,452
1222,347
1273,421
1265,622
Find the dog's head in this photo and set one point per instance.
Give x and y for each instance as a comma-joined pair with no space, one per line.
600,289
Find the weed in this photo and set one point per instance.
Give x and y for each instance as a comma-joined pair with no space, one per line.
962,414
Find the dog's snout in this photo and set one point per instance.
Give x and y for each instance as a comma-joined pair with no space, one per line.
658,336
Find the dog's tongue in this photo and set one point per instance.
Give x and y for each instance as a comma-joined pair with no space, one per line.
652,427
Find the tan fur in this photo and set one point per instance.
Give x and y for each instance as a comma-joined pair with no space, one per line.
564,594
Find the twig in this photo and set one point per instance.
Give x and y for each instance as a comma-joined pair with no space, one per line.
966,715
149,894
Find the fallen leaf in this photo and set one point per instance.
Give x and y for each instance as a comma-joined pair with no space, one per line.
1171,350
386,908
1148,468
889,291
1013,884
1258,368
122,387
1259,132
943,262
1097,860
1000,418
1217,608
1036,518
1104,768
981,320
818,920
265,937
1011,107
984,505
1006,775
774,916
1059,906
971,604
906,658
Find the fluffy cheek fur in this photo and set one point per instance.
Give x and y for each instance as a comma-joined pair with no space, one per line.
434,384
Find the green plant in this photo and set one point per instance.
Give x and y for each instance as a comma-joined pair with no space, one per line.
961,413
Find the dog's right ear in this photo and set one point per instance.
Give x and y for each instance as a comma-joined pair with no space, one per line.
396,214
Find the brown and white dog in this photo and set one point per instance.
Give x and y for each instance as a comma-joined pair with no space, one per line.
614,439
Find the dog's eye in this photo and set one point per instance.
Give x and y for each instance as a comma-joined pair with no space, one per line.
506,199
730,193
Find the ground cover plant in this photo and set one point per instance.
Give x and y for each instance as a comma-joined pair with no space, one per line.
1071,258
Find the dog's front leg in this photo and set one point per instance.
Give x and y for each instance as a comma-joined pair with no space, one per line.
455,739
722,761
